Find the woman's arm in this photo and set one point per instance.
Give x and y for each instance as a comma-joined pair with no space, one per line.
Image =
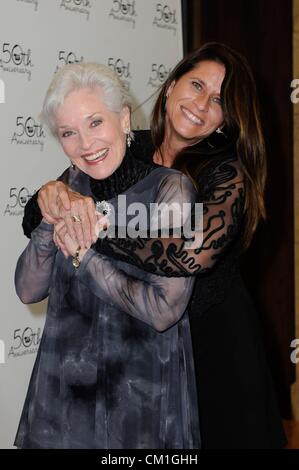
35,265
222,216
33,212
158,301
55,201
223,211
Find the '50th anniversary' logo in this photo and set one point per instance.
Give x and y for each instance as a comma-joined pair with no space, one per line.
18,199
124,10
122,69
25,341
28,132
77,6
68,58
165,17
159,73
33,2
16,59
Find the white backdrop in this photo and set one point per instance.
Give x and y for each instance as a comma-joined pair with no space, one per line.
141,40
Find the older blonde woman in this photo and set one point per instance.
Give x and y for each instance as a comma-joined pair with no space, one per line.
115,367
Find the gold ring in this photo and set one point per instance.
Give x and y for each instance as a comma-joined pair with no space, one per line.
76,218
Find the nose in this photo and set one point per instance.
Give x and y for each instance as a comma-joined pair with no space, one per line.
85,140
202,102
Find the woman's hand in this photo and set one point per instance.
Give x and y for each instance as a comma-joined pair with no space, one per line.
65,242
57,201
61,231
47,200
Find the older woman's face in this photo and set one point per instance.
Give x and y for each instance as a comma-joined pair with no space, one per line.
193,106
91,135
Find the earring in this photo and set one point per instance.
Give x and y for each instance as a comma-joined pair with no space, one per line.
129,139
73,166
220,131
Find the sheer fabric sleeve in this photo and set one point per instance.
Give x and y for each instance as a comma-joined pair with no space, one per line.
222,215
35,265
158,301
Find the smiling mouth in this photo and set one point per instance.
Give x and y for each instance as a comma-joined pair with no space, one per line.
93,158
192,117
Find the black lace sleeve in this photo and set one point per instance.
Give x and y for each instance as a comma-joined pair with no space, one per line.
32,214
222,195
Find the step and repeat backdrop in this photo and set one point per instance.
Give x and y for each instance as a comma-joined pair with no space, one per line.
141,40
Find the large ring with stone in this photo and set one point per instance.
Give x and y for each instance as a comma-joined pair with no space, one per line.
104,208
76,218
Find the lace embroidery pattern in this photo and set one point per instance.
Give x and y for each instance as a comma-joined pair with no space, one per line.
223,208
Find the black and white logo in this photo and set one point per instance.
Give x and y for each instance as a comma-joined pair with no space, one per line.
25,341
165,17
32,2
124,10
122,68
158,75
28,132
67,57
17,200
77,6
15,58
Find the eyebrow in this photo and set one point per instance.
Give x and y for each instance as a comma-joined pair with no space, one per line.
87,118
92,115
200,80
204,84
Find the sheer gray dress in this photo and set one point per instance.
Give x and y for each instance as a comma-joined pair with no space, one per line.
115,364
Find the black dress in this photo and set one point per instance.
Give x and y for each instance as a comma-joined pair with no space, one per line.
236,399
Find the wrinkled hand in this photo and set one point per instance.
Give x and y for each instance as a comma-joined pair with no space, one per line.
65,242
57,201
61,232
47,200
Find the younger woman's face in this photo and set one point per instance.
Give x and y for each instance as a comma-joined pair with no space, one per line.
92,136
193,105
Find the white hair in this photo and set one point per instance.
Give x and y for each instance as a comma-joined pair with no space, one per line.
83,75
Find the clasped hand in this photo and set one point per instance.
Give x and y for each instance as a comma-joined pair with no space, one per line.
74,217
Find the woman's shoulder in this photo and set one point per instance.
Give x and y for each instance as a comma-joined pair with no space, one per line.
169,184
169,175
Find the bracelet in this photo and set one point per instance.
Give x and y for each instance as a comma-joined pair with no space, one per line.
76,261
